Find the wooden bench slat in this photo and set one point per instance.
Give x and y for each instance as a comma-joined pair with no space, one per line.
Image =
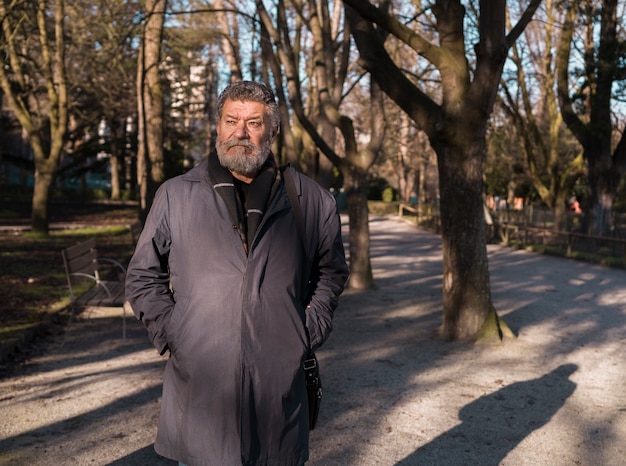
80,248
81,258
83,264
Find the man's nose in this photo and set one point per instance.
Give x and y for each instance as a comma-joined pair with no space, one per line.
241,131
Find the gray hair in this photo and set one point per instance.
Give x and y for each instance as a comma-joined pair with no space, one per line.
250,91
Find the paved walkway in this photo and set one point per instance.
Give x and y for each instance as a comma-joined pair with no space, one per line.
394,393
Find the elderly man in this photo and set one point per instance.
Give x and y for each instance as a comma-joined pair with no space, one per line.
223,280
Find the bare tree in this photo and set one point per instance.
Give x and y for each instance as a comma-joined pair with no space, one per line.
33,79
101,73
456,123
585,99
150,105
407,158
529,99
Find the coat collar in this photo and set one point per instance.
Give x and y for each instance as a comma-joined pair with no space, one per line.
198,173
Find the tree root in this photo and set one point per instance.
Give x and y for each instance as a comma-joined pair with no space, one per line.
494,330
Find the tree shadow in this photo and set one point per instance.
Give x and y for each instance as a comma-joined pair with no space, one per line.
385,365
78,364
31,446
531,289
142,457
494,424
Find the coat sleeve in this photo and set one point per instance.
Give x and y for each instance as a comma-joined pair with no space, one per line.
329,273
147,277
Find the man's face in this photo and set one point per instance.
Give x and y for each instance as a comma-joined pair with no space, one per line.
244,137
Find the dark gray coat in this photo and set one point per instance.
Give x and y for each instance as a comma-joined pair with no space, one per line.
234,389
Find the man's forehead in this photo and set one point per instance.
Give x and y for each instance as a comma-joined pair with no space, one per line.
245,107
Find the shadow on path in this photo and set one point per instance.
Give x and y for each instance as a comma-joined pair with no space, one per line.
143,457
64,429
495,424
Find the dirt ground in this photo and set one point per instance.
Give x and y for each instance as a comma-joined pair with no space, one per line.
394,394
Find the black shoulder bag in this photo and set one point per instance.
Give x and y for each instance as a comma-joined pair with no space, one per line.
311,366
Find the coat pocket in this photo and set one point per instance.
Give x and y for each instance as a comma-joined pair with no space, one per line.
176,321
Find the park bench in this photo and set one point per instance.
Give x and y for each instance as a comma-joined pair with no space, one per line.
84,267
96,281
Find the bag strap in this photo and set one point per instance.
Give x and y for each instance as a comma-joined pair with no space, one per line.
294,200
290,186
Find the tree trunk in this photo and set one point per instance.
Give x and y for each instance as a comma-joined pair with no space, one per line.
560,213
154,105
230,41
361,276
115,158
404,171
142,163
150,163
324,169
41,190
466,290
116,191
603,183
422,197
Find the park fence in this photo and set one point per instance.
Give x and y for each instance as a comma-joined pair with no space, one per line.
535,227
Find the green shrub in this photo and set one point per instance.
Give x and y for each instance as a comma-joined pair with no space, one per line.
389,194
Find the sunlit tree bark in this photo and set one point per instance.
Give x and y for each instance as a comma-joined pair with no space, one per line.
150,170
227,25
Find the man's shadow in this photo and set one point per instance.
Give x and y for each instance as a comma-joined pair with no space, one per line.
494,424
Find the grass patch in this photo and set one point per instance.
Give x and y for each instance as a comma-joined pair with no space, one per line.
9,214
575,255
88,232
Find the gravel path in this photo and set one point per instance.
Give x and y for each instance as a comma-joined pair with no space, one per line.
394,393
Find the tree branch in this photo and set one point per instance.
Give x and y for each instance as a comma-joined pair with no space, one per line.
522,23
386,21
288,60
375,59
570,117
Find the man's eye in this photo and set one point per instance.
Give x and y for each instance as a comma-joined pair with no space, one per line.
255,124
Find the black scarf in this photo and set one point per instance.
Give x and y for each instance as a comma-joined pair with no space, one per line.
246,215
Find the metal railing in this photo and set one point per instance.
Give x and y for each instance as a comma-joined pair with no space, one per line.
536,226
